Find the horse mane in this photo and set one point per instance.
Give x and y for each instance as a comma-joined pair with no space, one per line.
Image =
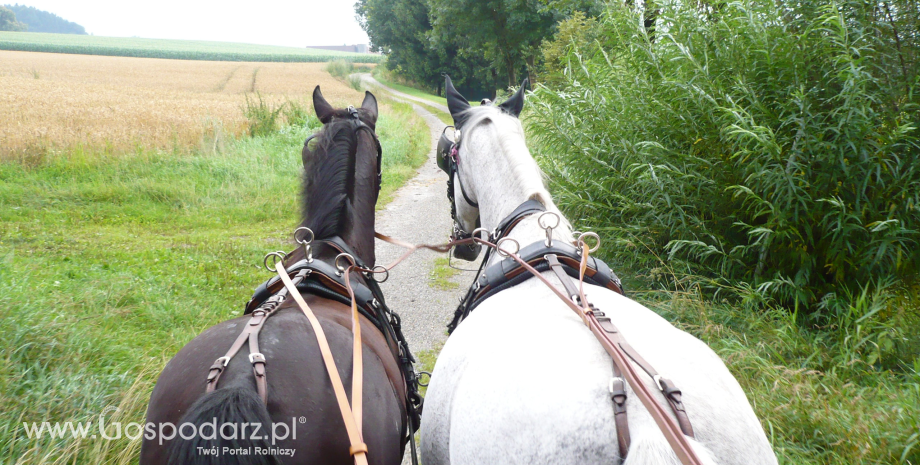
512,143
329,179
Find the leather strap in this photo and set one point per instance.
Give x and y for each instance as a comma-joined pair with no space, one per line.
617,386
250,333
605,332
668,426
618,396
358,448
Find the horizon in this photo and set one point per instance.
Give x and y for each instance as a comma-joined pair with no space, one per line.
203,21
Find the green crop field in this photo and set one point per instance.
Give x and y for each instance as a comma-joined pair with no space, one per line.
165,48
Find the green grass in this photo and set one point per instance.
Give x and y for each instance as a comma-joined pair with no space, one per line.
410,90
441,274
111,263
167,48
813,411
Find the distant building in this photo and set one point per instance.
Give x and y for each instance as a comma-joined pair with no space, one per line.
357,48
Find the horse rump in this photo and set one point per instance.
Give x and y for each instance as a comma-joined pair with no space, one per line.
228,406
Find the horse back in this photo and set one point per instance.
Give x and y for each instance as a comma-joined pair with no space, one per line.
300,394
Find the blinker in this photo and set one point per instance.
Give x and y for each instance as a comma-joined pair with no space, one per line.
445,144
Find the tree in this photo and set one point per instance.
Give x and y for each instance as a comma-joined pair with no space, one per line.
401,29
42,21
8,21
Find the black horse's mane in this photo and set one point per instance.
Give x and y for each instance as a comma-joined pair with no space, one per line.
329,179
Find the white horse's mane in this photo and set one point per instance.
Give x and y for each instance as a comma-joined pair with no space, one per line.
525,171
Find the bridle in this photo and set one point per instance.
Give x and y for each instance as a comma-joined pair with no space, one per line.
448,158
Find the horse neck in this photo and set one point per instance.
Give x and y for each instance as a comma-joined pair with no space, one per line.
504,176
359,228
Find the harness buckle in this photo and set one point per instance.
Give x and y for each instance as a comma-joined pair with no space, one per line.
613,380
224,360
256,358
657,379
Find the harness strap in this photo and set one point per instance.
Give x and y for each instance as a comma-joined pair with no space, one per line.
618,396
610,340
523,210
250,333
675,432
617,387
351,417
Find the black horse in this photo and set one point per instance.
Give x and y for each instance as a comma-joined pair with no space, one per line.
300,423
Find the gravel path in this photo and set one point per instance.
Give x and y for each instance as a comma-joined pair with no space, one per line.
419,213
368,79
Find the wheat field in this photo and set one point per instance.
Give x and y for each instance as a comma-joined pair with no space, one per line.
53,104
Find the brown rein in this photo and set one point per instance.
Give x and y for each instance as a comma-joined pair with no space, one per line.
351,415
609,337
675,432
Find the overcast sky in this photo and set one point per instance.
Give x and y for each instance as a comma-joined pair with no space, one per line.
274,22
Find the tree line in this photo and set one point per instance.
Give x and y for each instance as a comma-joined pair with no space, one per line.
483,44
26,18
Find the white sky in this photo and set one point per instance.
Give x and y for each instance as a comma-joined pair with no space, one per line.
274,22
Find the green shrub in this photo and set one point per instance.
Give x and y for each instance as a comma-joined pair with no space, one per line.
355,83
767,147
300,114
263,116
340,68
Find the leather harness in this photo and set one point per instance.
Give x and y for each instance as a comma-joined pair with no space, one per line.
569,263
301,272
317,276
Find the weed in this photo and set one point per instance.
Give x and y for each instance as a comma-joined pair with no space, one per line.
263,116
441,274
340,68
355,82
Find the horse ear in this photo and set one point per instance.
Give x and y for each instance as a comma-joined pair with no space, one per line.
370,104
322,108
456,103
515,104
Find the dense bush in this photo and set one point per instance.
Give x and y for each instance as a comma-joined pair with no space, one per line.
769,147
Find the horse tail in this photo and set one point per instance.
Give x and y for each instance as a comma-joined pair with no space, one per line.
230,405
654,448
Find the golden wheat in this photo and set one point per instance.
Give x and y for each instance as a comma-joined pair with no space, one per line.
55,102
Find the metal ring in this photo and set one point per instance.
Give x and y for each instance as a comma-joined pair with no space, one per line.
478,230
272,254
540,220
517,247
302,241
343,255
581,240
375,273
418,378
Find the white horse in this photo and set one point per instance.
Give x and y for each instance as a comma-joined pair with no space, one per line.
522,380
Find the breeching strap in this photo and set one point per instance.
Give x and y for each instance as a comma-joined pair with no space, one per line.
350,414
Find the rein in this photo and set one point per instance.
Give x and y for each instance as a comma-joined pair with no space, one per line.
675,432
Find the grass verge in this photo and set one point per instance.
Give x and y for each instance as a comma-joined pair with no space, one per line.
812,414
110,264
